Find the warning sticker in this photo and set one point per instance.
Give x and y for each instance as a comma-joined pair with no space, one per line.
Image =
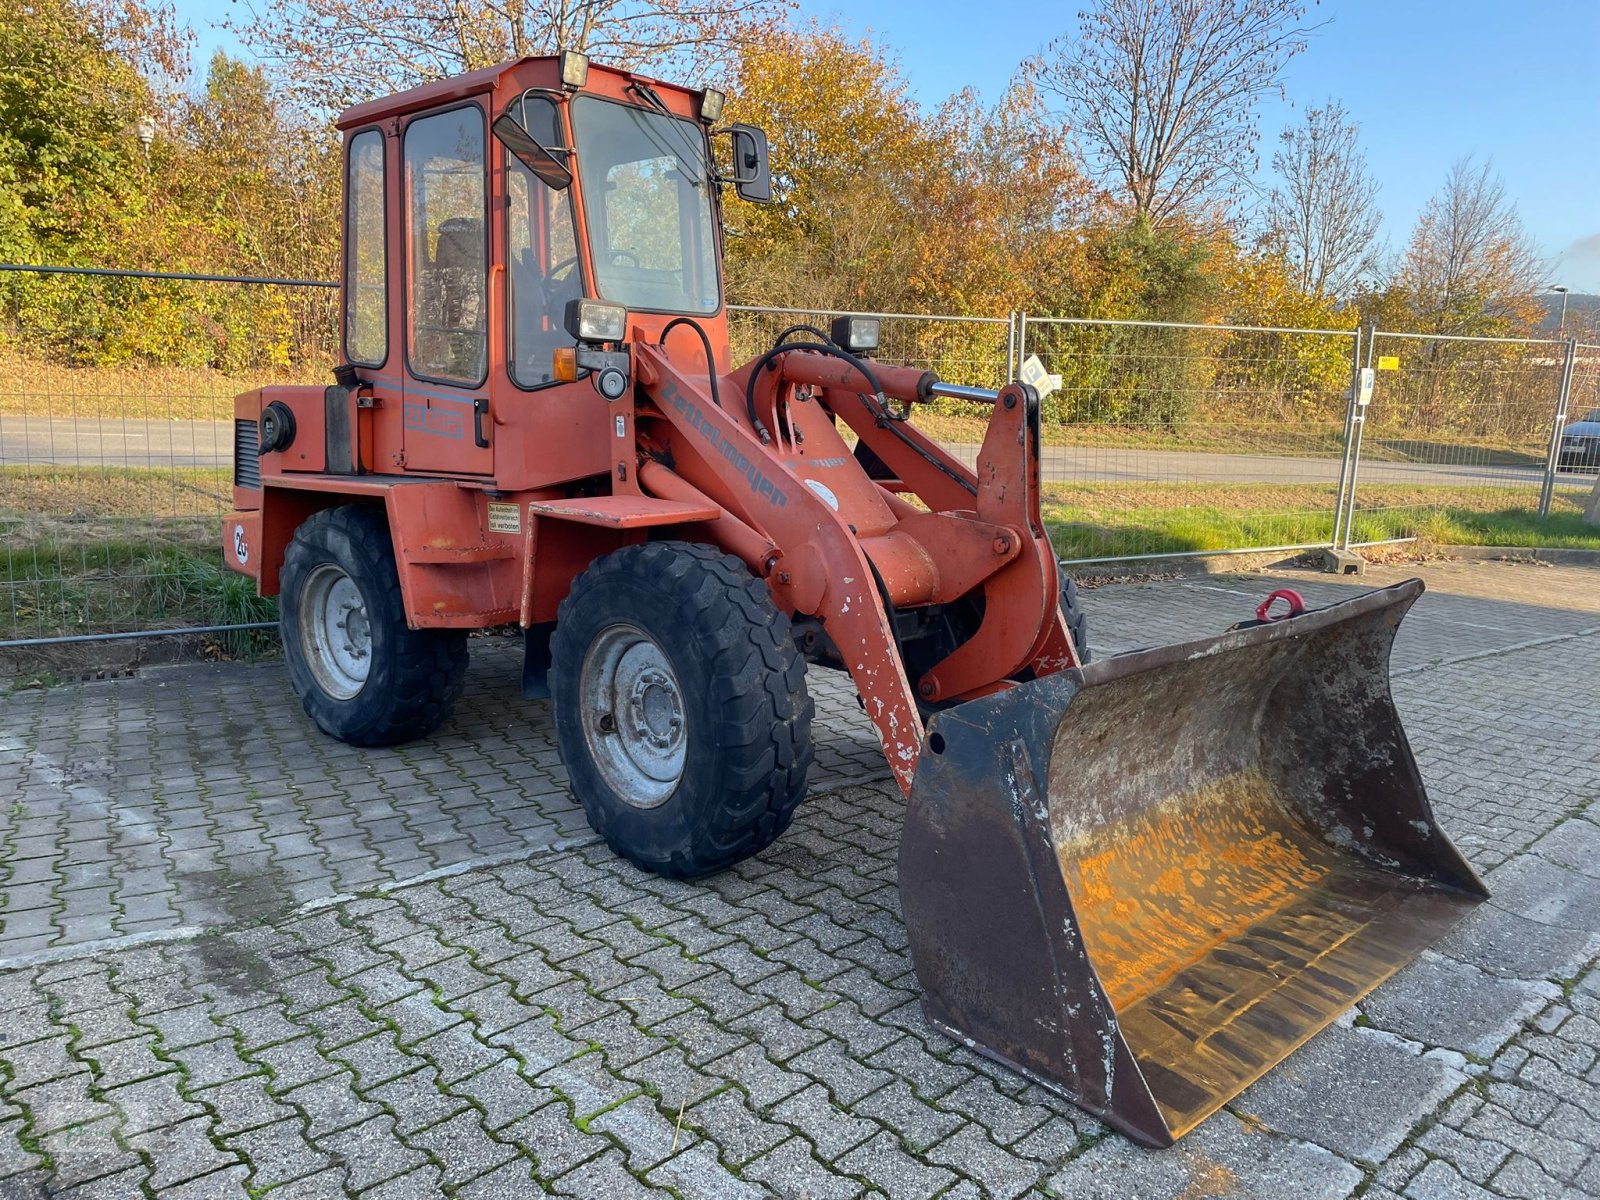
505,518
1388,362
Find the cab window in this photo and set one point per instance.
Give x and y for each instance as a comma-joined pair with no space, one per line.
448,252
366,280
647,203
542,255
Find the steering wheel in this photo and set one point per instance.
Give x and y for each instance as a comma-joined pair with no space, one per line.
566,264
618,255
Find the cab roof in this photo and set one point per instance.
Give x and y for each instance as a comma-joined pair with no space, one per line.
529,70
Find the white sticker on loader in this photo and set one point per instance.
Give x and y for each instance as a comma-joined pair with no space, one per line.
241,548
825,492
504,518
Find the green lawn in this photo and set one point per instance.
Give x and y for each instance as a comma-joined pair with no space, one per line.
1095,520
89,550
104,549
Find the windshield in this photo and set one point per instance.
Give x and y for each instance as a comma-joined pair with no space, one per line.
647,198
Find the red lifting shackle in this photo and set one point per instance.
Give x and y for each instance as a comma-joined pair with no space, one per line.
1297,605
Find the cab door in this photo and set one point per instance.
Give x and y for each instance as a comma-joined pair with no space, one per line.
447,426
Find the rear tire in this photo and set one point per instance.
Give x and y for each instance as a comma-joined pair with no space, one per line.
680,707
1072,613
360,673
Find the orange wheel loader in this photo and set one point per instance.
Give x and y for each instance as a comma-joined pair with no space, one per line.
1142,882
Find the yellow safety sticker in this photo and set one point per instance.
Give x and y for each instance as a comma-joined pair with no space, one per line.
1388,362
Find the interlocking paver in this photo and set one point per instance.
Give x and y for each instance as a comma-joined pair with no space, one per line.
792,1172
739,1133
544,1019
464,1147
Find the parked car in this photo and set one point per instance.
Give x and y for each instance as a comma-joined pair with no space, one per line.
1580,444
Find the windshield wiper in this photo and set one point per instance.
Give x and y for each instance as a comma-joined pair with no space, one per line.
648,94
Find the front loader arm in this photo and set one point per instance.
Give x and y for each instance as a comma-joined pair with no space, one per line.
1023,626
818,567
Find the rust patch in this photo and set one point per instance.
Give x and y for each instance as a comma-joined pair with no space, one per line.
1159,890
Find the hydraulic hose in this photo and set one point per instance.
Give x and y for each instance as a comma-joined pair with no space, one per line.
711,361
878,403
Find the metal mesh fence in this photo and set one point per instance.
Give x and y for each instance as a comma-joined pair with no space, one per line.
114,473
970,350
1578,449
1161,440
1168,439
1458,431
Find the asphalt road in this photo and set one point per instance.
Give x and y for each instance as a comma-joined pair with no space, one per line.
89,442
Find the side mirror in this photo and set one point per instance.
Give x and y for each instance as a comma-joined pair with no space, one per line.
527,150
752,170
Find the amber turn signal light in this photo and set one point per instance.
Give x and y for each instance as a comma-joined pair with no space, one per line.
565,364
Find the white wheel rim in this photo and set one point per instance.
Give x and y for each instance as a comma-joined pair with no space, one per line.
335,634
633,715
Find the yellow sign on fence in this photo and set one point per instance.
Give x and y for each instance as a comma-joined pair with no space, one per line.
1388,362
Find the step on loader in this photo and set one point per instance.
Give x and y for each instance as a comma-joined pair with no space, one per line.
1142,881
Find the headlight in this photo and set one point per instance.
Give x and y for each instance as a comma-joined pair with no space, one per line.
596,321
711,102
859,335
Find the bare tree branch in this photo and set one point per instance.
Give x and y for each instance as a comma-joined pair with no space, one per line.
1323,215
1164,92
333,53
1470,261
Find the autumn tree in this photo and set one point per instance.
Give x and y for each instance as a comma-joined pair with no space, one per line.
337,52
266,178
1470,266
1164,93
852,158
1006,210
71,89
1323,215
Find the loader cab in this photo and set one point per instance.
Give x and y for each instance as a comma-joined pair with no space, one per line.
477,209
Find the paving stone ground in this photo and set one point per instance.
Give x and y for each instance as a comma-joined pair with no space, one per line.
240,960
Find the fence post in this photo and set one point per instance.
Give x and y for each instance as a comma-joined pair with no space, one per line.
1022,340
1011,347
1349,426
1359,420
1558,423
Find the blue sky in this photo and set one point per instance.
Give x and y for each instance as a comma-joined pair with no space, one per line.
1429,81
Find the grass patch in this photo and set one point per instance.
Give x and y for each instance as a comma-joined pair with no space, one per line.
159,576
86,493
1098,520
90,550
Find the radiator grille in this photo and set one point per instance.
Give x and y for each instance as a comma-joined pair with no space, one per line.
246,454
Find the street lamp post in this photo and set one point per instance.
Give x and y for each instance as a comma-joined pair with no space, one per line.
1563,330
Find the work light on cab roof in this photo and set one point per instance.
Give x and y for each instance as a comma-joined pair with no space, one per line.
1141,881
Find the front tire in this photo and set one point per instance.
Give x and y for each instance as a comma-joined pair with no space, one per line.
360,673
1077,621
680,707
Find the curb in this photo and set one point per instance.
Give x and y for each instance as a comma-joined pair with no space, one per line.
1565,557
1115,570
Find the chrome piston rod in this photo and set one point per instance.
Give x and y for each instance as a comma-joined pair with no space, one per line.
956,391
